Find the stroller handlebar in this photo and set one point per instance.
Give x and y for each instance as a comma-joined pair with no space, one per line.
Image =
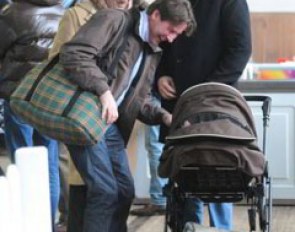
266,105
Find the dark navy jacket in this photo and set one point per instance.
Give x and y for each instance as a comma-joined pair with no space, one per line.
217,51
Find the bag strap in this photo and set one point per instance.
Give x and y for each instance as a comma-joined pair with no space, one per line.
45,70
120,50
127,27
112,66
141,66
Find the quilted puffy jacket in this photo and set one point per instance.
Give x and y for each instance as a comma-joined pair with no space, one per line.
27,31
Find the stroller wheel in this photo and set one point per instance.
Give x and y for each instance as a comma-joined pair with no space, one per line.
252,219
262,212
264,205
173,219
265,173
190,227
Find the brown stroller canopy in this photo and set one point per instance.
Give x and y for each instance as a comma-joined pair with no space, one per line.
212,126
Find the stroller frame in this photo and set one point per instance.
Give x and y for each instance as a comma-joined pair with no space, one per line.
223,184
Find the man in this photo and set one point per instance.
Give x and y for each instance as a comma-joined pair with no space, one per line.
122,92
72,201
218,51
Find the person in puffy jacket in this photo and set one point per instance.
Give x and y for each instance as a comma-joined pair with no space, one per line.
27,31
4,4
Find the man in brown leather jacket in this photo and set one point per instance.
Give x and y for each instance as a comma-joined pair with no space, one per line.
123,93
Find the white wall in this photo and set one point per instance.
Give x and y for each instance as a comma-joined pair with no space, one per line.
271,5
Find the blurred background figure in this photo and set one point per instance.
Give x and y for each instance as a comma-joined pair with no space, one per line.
3,4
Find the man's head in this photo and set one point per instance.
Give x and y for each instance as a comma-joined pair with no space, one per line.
117,4
123,4
168,19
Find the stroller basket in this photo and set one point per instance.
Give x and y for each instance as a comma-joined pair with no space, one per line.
213,184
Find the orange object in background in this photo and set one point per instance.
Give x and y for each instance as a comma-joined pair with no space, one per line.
282,59
272,75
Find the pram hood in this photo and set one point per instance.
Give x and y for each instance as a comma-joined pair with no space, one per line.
212,126
212,110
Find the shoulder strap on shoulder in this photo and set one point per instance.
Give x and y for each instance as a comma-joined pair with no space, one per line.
127,27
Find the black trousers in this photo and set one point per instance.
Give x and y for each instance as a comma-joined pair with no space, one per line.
77,203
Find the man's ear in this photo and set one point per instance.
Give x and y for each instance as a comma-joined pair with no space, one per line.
156,14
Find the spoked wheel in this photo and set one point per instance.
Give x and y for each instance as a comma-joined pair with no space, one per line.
166,218
264,205
262,214
168,192
173,219
252,219
264,211
267,208
170,221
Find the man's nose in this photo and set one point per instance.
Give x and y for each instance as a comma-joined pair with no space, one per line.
171,37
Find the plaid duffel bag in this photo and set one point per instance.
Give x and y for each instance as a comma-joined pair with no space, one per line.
57,107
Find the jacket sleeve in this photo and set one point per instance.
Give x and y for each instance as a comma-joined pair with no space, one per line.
235,26
151,112
80,56
7,38
65,33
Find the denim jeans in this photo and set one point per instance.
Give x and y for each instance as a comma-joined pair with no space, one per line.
110,188
220,214
154,149
19,134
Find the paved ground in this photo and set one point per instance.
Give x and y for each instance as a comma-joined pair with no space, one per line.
282,221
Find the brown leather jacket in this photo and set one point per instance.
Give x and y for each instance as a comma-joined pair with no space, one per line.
92,50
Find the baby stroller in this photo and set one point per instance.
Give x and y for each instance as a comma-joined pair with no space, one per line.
211,153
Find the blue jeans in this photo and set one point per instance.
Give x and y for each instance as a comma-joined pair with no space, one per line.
110,188
19,134
154,149
220,214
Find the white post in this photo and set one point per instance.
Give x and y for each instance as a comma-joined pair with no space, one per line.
32,164
15,196
5,205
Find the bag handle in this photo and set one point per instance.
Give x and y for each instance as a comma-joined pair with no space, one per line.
45,70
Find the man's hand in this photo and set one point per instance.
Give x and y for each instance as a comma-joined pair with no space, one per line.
167,119
166,87
109,107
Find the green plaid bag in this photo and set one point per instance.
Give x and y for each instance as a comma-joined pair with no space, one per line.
56,107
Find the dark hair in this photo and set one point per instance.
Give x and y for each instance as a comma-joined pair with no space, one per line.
140,4
176,12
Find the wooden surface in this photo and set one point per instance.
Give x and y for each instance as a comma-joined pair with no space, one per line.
273,36
282,221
